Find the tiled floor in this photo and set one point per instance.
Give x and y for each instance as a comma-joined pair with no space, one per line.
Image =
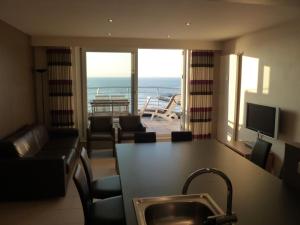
57,211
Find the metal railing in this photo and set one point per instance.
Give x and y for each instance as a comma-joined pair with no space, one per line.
143,93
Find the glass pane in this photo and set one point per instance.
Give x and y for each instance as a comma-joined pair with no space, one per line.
159,78
108,83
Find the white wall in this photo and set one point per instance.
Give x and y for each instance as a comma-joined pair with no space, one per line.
271,76
17,104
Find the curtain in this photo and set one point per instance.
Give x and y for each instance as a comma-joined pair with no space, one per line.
201,93
60,87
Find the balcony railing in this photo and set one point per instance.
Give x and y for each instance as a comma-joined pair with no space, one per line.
160,95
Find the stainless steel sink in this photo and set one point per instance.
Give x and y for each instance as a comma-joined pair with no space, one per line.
178,210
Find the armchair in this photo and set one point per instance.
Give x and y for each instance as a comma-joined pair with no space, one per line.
129,125
100,129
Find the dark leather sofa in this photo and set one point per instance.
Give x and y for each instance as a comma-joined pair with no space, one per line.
36,162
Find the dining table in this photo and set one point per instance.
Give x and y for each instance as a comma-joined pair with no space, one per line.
161,169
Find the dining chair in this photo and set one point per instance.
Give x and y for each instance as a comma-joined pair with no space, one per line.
178,136
101,188
260,153
145,137
107,211
290,173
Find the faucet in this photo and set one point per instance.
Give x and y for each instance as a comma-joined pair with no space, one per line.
218,219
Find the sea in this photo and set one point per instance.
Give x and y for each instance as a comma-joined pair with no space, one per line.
147,86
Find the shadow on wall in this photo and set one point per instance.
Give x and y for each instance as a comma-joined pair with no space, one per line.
287,125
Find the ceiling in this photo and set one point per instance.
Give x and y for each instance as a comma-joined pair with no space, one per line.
210,19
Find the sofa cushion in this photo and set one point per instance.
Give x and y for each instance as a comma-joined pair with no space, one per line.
26,145
40,133
54,133
69,155
61,143
7,147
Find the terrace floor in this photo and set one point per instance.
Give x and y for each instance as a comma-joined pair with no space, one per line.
162,127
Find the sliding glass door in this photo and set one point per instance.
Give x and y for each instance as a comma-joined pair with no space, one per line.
160,73
109,83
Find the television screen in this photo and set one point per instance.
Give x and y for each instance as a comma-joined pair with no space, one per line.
263,119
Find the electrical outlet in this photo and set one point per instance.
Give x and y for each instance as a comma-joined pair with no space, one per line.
298,170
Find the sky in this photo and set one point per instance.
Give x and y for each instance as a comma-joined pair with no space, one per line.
151,63
108,64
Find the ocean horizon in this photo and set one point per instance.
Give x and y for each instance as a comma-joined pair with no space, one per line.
147,86
170,82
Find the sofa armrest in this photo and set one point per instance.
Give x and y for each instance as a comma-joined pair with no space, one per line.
63,132
32,178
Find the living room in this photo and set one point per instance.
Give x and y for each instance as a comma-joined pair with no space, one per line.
257,36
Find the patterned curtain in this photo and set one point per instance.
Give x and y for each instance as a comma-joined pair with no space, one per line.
201,94
60,87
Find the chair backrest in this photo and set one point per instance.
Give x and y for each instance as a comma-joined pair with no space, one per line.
260,153
142,110
177,136
169,109
101,123
87,167
291,166
173,100
130,123
145,137
83,190
172,103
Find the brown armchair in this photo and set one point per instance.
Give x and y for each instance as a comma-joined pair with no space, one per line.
129,125
100,129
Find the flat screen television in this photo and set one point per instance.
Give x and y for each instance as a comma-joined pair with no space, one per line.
262,119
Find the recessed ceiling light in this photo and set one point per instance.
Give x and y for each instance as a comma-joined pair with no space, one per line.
188,23
109,20
109,34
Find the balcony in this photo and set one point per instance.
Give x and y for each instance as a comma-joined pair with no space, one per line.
117,101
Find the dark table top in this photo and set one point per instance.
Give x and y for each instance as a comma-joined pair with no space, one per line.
161,168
